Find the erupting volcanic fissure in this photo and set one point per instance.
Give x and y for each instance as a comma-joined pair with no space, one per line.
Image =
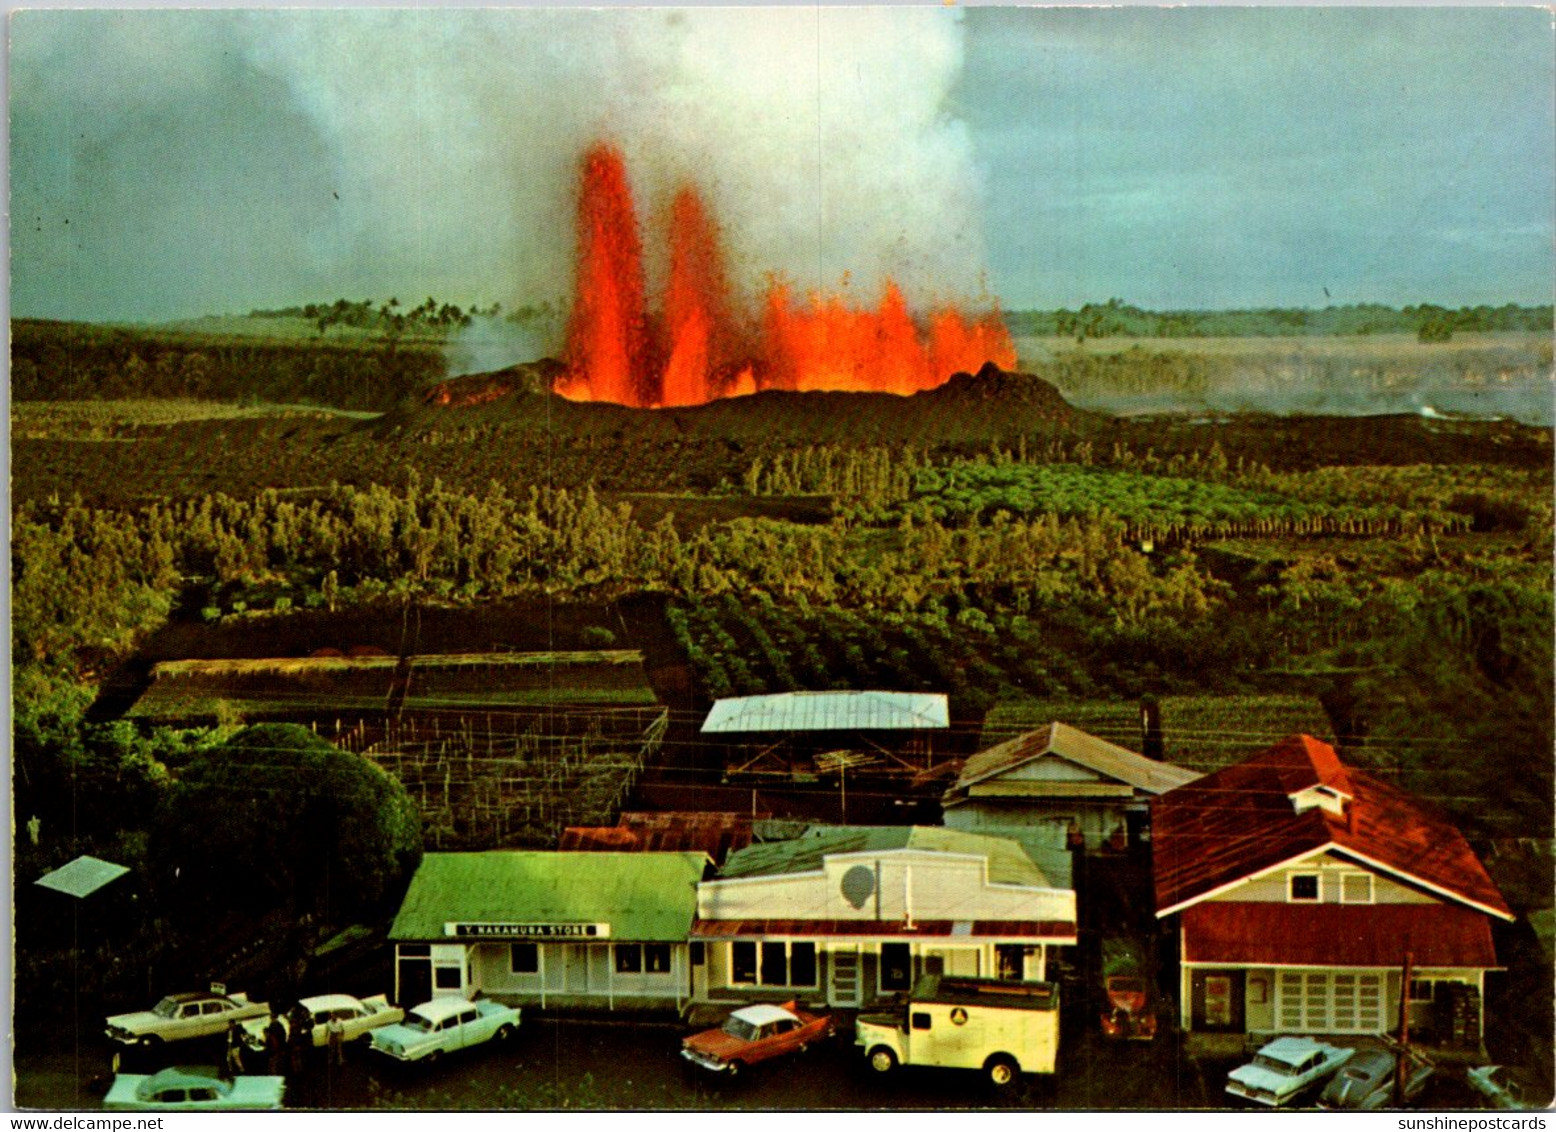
701,348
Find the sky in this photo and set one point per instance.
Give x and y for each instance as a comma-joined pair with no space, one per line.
173,163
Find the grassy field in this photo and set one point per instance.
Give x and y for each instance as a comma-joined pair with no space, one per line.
107,420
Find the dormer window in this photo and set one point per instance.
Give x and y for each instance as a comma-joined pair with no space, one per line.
1304,888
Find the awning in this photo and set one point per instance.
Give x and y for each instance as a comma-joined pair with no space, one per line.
981,931
1337,935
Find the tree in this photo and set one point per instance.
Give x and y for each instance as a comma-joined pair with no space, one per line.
276,817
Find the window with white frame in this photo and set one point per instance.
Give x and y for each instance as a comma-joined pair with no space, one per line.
1355,888
1304,888
642,958
773,963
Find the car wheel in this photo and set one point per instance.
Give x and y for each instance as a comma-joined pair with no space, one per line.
882,1060
504,1033
1001,1070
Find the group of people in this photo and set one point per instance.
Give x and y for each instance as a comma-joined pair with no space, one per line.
287,1042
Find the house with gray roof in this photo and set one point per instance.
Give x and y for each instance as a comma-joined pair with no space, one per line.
1060,786
852,915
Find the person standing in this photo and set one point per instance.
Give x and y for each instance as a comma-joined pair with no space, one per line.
337,1038
234,1050
275,1044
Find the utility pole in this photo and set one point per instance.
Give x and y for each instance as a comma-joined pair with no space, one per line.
1402,1060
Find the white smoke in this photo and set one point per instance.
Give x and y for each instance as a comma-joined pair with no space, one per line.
821,139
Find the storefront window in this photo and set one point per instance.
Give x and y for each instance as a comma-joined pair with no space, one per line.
775,965
781,964
523,958
896,966
802,964
448,978
656,958
742,961
629,958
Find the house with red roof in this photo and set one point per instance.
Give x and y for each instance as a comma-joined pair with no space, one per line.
1302,888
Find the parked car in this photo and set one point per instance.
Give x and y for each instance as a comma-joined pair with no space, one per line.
1500,1086
185,1089
179,1017
754,1034
444,1025
1129,1004
1286,1068
357,1017
1370,1081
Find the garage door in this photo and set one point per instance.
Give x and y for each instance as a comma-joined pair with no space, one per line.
1335,1002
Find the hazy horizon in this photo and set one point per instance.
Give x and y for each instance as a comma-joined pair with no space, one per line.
170,164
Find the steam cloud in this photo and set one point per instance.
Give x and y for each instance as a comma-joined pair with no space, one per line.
375,152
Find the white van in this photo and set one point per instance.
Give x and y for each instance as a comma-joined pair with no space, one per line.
1003,1029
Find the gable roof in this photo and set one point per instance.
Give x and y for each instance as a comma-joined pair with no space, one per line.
1241,821
643,896
1008,862
830,711
1107,759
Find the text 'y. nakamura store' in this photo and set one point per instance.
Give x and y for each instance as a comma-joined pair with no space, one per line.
596,930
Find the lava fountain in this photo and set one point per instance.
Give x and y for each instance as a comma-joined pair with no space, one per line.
701,349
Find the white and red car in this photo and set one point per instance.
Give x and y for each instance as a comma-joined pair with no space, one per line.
357,1017
180,1017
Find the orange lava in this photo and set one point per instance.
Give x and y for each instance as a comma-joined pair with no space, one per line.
607,334
701,349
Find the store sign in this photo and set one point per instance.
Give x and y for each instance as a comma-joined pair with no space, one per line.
504,929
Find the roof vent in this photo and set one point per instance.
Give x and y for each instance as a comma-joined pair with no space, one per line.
1326,798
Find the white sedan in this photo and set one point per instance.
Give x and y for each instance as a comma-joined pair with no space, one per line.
444,1025
358,1017
179,1017
1284,1069
183,1089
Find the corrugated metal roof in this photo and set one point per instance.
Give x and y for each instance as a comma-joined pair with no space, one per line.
643,896
830,711
1076,746
1008,861
1238,821
716,834
1337,935
82,877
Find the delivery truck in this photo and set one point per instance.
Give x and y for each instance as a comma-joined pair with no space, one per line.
1002,1029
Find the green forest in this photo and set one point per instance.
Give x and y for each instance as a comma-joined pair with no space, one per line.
1413,599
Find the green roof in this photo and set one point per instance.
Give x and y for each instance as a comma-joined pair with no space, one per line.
643,896
1008,862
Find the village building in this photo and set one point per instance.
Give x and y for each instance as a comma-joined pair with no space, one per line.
818,739
1303,889
604,930
1063,786
851,916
